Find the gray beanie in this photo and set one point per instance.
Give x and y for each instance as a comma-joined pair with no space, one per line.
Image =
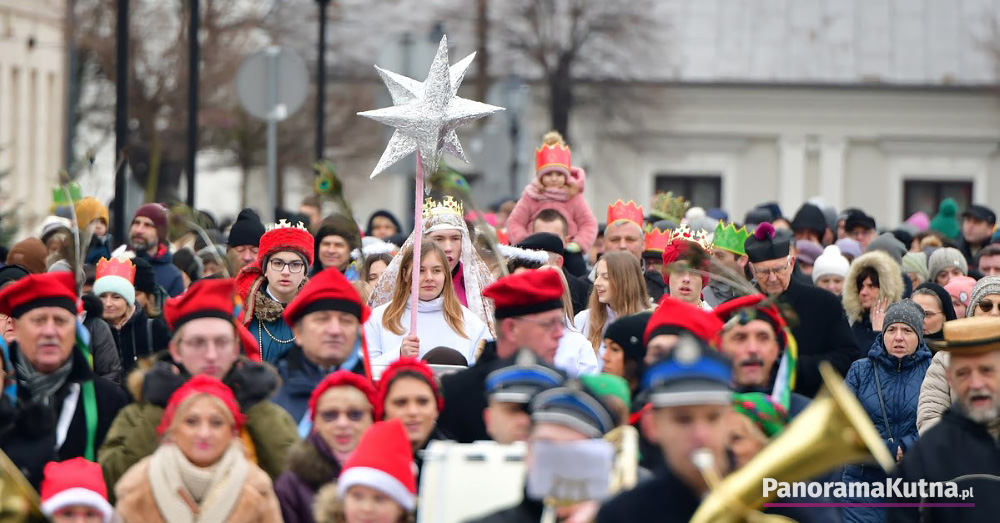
984,287
906,312
944,258
888,243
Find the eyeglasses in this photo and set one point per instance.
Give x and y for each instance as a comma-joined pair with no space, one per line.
329,416
931,313
201,344
766,273
549,325
294,267
987,306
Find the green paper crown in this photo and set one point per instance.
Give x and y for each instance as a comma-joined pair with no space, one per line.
59,194
668,207
729,239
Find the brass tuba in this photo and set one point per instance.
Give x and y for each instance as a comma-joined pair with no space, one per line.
18,501
834,430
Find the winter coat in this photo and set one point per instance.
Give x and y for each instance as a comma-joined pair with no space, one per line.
100,247
957,447
140,337
465,398
167,274
890,287
582,225
575,355
137,504
900,379
31,443
579,291
655,286
299,377
262,317
107,361
310,466
822,333
133,435
935,393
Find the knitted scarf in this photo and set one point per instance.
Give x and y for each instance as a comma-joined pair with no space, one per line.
215,489
547,194
42,387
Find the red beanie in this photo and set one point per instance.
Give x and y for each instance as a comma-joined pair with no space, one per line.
158,215
383,460
51,289
405,365
212,298
75,482
328,290
524,293
285,237
673,316
201,384
342,378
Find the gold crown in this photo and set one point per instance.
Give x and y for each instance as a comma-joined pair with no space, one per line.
449,205
282,224
699,237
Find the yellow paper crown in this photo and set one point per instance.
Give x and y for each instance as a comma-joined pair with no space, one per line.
449,205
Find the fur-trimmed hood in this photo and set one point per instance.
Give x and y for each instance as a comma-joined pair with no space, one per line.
890,278
311,464
327,507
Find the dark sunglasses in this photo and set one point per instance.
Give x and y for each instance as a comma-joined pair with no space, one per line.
332,415
987,306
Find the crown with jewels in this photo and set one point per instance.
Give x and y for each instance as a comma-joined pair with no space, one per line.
655,240
699,237
553,153
283,224
729,238
621,211
449,205
668,207
116,267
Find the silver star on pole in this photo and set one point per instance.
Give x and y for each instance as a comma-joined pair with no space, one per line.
426,114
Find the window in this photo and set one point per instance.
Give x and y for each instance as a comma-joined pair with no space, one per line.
701,191
926,195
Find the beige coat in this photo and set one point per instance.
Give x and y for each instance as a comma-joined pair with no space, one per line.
935,393
136,504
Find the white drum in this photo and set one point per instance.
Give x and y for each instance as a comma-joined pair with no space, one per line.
460,482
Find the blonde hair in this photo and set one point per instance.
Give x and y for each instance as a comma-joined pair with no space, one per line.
401,295
628,293
186,403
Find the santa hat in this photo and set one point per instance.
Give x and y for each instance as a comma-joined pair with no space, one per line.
328,290
528,292
383,461
116,275
409,366
75,482
342,378
214,298
673,316
201,384
51,289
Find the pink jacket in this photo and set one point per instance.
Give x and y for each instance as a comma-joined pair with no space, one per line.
582,223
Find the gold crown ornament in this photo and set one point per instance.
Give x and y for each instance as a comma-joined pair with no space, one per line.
699,237
283,224
449,205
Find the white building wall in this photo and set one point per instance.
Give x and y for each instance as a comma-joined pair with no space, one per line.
32,104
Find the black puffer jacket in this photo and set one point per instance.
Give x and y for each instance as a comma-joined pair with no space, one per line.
140,337
107,362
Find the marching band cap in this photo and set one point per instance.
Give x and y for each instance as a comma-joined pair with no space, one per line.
691,374
522,379
574,406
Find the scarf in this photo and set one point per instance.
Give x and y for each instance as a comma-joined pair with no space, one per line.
547,194
215,489
41,386
435,305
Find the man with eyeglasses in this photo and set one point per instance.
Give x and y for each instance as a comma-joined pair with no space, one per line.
529,315
206,340
822,330
63,410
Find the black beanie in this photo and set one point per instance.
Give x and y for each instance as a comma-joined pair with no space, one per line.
628,331
247,230
145,278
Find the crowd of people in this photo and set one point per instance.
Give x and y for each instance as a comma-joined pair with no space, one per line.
279,372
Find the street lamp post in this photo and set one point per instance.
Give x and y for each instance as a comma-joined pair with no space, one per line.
121,119
321,83
194,58
515,93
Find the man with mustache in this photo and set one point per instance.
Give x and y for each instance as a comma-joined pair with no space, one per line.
147,236
754,336
962,447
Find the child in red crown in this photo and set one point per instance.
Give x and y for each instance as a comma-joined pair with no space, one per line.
557,186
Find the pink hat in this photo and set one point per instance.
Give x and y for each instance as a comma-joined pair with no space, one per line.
960,287
75,482
920,220
383,461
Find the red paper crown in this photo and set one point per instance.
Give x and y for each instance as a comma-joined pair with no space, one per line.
621,211
116,267
656,240
552,157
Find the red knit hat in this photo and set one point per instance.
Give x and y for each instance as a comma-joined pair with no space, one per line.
764,309
158,215
284,236
200,384
342,378
328,290
407,365
213,298
383,460
527,292
51,289
75,482
673,316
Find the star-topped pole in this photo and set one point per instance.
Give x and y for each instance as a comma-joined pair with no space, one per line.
425,115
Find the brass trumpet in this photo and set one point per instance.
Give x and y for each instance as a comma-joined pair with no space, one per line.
18,501
834,430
